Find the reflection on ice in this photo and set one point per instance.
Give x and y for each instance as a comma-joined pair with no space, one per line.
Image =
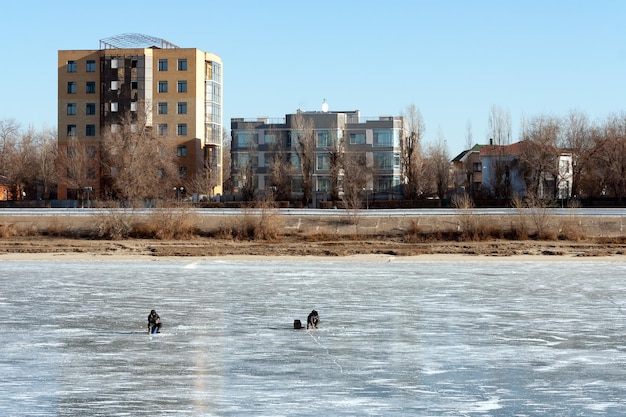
395,339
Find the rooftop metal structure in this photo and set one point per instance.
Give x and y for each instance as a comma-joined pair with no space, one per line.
135,40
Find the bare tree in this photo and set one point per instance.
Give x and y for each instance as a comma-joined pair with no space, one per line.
611,156
9,133
140,164
411,157
577,136
280,169
205,181
439,163
304,140
80,160
23,164
355,179
47,161
226,163
336,152
500,135
469,136
539,160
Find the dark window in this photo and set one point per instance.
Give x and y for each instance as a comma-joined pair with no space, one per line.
71,109
182,129
71,66
90,108
182,108
181,151
162,86
71,130
182,86
71,87
91,65
182,65
162,64
162,108
90,130
90,87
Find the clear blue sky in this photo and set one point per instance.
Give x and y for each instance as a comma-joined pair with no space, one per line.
454,60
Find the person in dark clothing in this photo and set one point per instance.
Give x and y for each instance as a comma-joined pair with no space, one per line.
312,320
154,322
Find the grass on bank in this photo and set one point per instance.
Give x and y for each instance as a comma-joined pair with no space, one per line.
265,223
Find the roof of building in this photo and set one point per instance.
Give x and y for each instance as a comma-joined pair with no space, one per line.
135,40
462,155
512,149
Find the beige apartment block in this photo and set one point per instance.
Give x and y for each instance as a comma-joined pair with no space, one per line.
177,90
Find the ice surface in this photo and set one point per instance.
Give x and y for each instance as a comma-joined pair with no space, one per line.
395,339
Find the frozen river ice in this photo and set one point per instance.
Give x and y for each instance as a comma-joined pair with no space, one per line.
475,338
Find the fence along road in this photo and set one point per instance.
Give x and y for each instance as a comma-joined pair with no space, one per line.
583,212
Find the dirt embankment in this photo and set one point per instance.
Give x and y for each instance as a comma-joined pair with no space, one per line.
298,246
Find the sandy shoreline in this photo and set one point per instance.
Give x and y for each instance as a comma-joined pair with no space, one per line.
374,258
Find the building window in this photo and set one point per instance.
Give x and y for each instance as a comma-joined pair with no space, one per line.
91,152
323,138
182,86
90,130
90,109
323,184
478,167
114,64
71,130
322,162
90,87
133,63
182,65
162,129
114,85
162,108
91,173
181,151
162,64
71,66
91,65
114,107
357,138
182,172
115,127
71,87
134,85
383,137
182,108
247,139
133,106
182,129
162,86
71,109
71,152
383,160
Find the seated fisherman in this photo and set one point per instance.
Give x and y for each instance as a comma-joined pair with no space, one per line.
154,322
312,320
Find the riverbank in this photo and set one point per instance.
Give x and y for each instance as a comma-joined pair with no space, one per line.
294,247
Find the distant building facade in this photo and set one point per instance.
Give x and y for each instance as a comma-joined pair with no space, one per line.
257,145
178,89
504,171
